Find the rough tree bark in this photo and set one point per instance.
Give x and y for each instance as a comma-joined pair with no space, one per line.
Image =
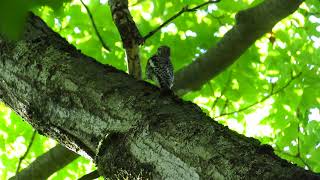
123,124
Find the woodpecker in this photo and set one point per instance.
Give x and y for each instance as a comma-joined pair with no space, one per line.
160,69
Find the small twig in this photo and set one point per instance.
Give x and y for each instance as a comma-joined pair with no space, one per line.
294,156
184,9
225,105
314,13
27,151
298,144
305,12
210,86
138,2
104,45
265,98
222,92
201,5
218,18
298,155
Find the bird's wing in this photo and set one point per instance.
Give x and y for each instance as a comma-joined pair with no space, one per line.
165,75
170,71
150,68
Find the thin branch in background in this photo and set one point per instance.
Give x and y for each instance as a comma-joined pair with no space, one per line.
136,3
211,88
298,144
224,89
93,175
225,106
308,13
218,18
298,155
273,92
27,151
104,45
294,156
299,151
314,13
184,9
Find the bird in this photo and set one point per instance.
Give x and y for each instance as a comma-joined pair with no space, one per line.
160,69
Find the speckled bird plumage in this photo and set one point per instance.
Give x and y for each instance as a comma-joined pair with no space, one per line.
159,68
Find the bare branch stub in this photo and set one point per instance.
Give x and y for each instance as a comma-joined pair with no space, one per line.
130,35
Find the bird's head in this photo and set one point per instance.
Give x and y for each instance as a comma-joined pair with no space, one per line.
164,51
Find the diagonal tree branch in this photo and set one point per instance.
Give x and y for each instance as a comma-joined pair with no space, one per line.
183,10
53,160
104,45
250,25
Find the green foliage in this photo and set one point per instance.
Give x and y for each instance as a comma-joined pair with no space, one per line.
13,14
262,95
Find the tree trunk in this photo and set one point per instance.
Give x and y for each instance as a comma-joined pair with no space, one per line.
125,125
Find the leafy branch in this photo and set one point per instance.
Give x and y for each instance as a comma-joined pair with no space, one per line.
184,9
104,45
273,92
27,151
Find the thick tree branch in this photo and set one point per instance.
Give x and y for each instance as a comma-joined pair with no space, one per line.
53,160
77,101
250,25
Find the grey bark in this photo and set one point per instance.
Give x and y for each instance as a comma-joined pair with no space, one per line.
81,103
251,24
47,164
